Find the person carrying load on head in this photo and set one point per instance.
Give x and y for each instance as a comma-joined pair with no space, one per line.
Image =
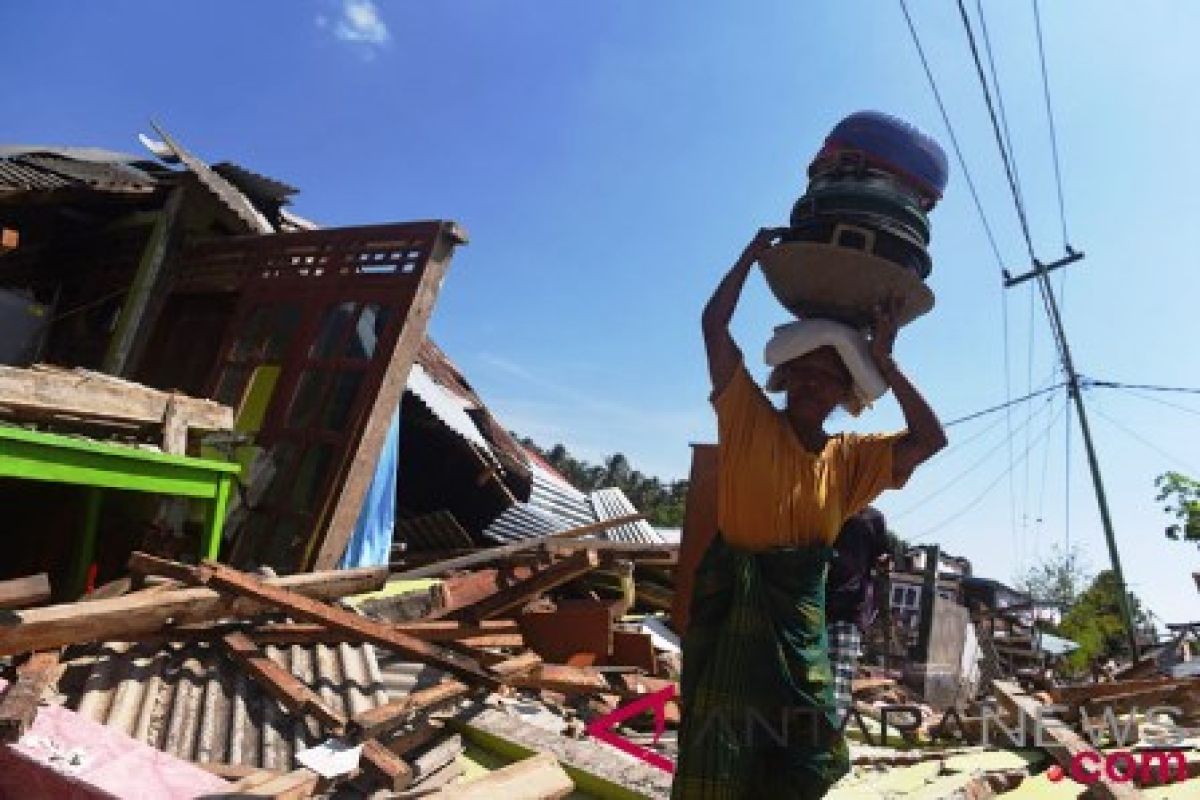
756,691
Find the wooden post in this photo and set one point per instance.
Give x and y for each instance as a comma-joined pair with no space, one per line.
360,467
699,528
146,282
933,555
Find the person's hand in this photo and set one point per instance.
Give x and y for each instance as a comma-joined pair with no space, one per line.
884,326
763,241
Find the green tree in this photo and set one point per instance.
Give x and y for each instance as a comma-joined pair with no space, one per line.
1060,578
1182,497
1096,624
662,503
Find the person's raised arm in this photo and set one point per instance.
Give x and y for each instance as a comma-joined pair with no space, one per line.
723,353
924,435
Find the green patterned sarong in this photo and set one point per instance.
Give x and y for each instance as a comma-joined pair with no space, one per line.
757,692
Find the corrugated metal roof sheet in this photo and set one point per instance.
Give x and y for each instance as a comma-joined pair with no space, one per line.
550,492
437,531
447,407
525,521
191,701
611,503
225,191
49,171
254,183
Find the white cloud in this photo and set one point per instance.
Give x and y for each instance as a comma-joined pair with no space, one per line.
357,23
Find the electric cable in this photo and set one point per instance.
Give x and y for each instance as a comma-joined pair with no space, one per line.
983,494
962,162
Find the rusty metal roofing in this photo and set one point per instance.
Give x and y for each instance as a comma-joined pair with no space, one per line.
191,701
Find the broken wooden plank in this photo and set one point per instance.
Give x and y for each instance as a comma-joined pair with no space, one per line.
295,785
436,758
522,592
561,678
82,393
505,631
236,772
19,703
126,618
516,665
539,777
1063,742
31,590
394,771
562,539
385,718
281,684
368,630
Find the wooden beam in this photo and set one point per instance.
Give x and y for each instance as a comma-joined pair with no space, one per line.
19,703
148,282
1063,743
505,631
561,678
561,540
516,665
386,718
129,617
395,772
522,592
24,592
538,777
47,390
295,785
355,626
360,467
281,684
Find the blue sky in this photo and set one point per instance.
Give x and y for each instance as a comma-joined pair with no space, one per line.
611,159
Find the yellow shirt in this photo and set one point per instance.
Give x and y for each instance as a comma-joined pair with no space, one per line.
774,493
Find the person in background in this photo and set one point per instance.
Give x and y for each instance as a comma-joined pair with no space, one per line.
756,690
859,554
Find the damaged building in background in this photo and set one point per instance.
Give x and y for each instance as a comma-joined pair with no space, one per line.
167,271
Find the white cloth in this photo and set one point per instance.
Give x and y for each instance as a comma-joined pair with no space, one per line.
804,336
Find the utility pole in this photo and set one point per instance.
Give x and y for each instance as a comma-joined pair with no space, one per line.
1040,272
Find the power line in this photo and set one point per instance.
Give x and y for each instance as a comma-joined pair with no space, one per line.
1162,402
962,162
1004,157
987,49
1090,383
1146,442
962,474
1062,212
1002,406
987,489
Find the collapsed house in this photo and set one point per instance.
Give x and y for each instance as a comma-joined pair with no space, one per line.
167,271
298,532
